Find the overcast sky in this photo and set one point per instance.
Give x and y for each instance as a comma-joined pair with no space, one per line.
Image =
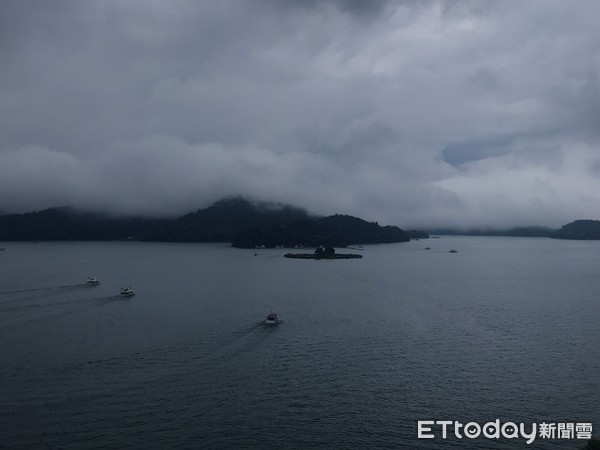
414,113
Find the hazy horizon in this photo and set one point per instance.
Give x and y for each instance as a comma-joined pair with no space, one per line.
261,204
432,114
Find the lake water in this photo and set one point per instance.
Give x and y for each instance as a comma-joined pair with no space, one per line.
507,328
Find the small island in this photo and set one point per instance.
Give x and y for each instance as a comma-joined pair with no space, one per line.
322,253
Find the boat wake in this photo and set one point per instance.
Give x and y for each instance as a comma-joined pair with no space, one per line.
44,305
17,296
49,288
248,340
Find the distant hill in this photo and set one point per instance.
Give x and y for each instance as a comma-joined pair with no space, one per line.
336,231
241,222
532,231
68,224
417,234
225,220
579,229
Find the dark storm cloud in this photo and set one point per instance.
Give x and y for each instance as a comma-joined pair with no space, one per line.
416,113
462,152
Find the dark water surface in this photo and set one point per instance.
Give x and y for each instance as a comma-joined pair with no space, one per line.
507,328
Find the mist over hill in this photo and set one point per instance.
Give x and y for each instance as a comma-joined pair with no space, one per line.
242,222
576,230
530,231
247,223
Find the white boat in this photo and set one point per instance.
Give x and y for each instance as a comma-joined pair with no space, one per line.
91,281
127,292
272,319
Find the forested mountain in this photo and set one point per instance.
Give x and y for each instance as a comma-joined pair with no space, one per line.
336,231
579,229
242,222
68,224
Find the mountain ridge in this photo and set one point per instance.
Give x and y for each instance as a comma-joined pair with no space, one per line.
246,223
242,222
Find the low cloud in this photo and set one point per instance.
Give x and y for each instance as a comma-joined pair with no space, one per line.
418,114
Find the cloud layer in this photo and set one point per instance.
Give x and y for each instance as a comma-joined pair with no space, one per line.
429,113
